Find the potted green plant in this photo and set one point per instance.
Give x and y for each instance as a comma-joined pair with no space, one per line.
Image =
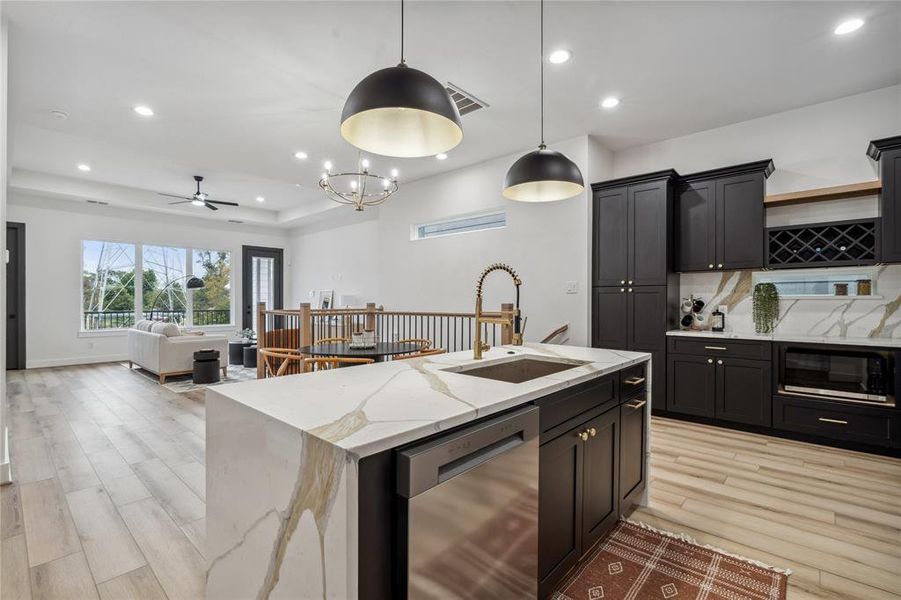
765,307
248,336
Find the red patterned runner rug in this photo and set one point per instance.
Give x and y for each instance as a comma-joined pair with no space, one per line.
638,562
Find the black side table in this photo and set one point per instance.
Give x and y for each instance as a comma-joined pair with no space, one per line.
250,357
236,352
206,366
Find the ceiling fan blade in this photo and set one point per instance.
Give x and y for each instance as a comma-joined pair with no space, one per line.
210,206
174,196
180,202
223,202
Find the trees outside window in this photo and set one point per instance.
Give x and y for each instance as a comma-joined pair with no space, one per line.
110,272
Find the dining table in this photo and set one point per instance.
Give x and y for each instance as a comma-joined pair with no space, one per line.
380,352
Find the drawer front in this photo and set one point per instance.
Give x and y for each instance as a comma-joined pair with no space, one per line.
633,381
719,347
561,406
846,422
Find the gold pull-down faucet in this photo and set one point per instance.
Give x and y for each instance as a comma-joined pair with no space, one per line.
478,346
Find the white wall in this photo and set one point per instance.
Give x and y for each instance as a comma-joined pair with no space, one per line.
5,475
54,232
343,258
815,146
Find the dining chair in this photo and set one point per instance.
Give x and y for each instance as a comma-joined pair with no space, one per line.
423,343
331,340
421,353
281,361
324,363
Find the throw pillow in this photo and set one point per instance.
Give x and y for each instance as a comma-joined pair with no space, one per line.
166,329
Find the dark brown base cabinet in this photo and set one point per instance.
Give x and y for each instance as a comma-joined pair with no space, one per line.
591,468
843,421
711,378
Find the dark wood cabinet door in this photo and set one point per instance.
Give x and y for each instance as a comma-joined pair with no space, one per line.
740,227
610,236
890,171
647,318
600,479
609,315
690,385
744,391
559,508
632,448
648,226
695,215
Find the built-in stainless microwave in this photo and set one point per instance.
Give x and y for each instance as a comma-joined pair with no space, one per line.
856,375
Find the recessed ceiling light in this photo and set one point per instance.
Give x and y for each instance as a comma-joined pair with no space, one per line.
848,26
609,102
260,199
441,156
84,167
300,155
560,56
144,111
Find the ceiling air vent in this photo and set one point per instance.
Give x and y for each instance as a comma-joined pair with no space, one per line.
98,202
466,102
236,221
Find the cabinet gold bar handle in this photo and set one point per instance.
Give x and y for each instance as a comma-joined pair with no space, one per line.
638,404
592,432
634,380
836,421
715,348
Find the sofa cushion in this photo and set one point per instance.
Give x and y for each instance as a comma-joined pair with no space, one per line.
166,329
144,325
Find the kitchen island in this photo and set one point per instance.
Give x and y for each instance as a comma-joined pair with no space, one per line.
293,507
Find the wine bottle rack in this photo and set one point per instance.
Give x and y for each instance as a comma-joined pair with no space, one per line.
842,243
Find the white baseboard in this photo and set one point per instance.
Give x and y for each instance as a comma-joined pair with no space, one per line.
75,360
6,467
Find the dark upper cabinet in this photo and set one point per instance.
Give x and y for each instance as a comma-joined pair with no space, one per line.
743,391
888,153
650,220
609,316
690,385
695,226
560,465
720,222
611,250
632,225
600,477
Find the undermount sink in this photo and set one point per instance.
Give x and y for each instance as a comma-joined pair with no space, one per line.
518,369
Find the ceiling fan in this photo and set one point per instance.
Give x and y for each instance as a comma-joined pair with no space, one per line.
199,198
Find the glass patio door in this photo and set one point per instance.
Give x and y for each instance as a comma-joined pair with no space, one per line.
262,281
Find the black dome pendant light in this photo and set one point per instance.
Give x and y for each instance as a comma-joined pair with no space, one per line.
400,111
543,175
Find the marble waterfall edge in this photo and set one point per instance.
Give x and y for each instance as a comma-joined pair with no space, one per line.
282,458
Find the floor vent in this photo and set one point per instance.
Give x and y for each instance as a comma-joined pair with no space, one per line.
466,102
98,202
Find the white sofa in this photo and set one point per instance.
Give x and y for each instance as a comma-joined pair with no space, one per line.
162,349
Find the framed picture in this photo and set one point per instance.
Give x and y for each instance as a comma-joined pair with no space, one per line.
325,299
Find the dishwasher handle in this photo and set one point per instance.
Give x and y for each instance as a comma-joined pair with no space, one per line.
423,467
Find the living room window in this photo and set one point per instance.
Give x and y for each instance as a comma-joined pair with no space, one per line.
122,282
107,285
212,302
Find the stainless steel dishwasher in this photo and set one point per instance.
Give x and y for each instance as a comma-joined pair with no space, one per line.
469,511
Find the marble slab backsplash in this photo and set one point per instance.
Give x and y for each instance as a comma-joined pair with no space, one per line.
850,316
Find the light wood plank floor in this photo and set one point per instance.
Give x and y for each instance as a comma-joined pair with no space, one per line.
108,493
108,498
831,516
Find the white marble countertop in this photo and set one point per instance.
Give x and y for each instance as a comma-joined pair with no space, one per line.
779,337
366,409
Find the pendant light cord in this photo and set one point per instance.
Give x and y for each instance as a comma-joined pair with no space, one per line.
541,62
402,32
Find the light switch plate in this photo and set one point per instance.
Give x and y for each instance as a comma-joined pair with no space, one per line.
572,287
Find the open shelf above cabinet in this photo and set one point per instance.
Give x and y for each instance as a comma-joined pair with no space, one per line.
853,190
